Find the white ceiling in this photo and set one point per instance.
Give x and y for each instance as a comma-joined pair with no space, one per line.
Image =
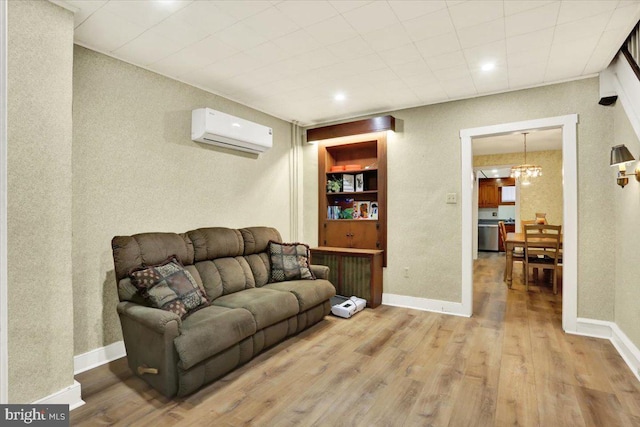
290,58
537,140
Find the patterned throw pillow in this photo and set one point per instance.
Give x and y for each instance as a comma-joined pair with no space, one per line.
289,261
169,286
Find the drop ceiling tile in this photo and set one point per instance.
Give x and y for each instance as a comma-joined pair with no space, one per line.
178,31
268,53
194,57
531,75
576,30
459,88
332,30
494,81
512,7
400,55
429,26
352,48
271,23
307,12
180,63
439,45
241,9
492,52
624,18
95,32
532,20
410,9
371,17
411,69
421,80
205,16
387,38
576,10
147,49
297,41
241,37
530,41
454,73
85,9
317,58
447,60
472,13
431,93
481,34
529,57
144,13
343,6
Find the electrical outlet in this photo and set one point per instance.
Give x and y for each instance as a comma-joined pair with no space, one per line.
406,272
452,198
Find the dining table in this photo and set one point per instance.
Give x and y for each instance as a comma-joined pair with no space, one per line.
514,240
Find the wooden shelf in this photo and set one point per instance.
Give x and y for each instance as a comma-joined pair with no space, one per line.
352,172
351,193
364,150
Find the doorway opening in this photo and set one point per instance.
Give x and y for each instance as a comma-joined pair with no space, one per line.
567,126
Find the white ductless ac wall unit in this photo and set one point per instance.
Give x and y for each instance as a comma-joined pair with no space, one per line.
224,130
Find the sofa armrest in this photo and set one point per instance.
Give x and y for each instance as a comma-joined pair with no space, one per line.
148,335
320,271
153,318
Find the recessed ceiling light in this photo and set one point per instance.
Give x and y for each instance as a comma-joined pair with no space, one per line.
496,175
235,125
488,66
494,170
340,96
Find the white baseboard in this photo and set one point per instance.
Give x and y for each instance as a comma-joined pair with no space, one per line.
611,331
424,304
67,396
99,356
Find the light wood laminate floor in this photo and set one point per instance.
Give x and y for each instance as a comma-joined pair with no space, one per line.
510,364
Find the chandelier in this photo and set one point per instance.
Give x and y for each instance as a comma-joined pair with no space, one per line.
525,171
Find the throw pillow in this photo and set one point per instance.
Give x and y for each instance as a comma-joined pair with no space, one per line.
169,286
289,261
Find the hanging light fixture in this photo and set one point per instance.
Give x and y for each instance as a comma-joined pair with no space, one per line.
524,172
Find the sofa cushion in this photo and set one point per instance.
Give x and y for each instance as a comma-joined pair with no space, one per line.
169,286
268,306
145,249
260,267
289,261
309,293
210,331
216,242
224,276
256,239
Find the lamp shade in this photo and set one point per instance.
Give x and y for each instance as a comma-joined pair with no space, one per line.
620,154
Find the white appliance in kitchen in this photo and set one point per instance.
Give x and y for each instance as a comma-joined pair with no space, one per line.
488,235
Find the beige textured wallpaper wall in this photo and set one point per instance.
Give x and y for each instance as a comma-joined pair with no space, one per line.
135,169
627,228
544,194
40,57
424,232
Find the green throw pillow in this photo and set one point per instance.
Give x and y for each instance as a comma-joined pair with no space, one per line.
289,261
170,287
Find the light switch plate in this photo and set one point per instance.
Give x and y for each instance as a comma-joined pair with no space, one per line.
452,198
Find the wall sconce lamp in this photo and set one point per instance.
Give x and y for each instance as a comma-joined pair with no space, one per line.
620,156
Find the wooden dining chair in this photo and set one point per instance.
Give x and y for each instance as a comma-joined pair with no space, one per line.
517,254
525,222
542,250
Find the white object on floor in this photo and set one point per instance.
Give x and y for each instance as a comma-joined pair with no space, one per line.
349,307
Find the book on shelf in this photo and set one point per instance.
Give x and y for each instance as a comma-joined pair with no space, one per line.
363,208
373,210
359,182
348,183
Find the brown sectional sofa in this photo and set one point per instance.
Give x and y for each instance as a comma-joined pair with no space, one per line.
247,313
